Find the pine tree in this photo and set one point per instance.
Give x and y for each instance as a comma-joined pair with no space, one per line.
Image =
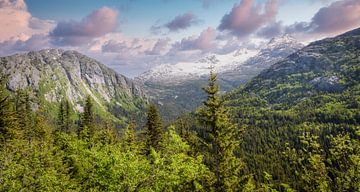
87,119
222,138
24,115
64,116
153,128
8,117
23,109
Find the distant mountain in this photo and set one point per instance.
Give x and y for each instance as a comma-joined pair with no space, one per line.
54,74
274,51
185,71
327,66
177,87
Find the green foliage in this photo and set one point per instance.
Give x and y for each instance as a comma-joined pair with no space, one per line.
64,116
153,128
174,169
222,139
87,125
43,157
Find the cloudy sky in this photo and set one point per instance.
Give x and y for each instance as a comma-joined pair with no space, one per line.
131,36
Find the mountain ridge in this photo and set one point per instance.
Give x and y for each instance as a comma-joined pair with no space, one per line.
56,74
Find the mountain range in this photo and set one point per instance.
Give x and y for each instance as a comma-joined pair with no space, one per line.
52,75
177,88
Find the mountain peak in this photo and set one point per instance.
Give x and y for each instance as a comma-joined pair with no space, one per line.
286,38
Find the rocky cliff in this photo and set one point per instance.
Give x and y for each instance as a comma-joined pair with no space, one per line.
53,74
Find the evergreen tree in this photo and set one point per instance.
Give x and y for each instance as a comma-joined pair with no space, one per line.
64,116
24,115
222,139
23,109
153,128
8,118
87,119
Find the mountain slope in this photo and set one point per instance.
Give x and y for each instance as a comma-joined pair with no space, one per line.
326,66
52,75
177,88
301,107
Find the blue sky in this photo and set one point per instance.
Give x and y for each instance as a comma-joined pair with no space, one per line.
132,36
137,16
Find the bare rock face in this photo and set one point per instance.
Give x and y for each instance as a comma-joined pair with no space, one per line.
55,74
327,84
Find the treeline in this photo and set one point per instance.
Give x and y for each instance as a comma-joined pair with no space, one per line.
41,154
313,145
234,143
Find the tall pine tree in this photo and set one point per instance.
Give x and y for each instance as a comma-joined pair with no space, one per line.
87,120
153,128
64,116
221,138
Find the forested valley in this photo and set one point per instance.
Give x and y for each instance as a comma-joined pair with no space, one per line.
294,127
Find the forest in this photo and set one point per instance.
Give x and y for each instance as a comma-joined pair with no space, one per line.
230,143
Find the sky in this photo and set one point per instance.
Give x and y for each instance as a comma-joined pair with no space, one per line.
132,36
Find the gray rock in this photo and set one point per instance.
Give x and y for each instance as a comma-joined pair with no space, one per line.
327,84
56,74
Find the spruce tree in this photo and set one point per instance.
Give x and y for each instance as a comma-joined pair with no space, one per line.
221,138
8,117
153,128
64,116
87,119
24,115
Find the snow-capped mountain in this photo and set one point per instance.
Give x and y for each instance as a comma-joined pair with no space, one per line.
184,71
178,86
234,62
274,51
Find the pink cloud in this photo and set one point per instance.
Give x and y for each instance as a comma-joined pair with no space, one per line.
16,22
159,47
246,17
204,42
182,21
338,17
98,23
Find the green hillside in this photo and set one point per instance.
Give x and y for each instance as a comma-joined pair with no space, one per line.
302,117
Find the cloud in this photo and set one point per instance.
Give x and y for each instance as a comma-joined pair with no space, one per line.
16,22
246,17
335,18
180,22
74,33
35,42
204,42
159,47
14,4
271,30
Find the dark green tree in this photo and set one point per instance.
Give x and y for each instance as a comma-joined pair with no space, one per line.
87,124
8,117
221,138
64,116
23,109
154,128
